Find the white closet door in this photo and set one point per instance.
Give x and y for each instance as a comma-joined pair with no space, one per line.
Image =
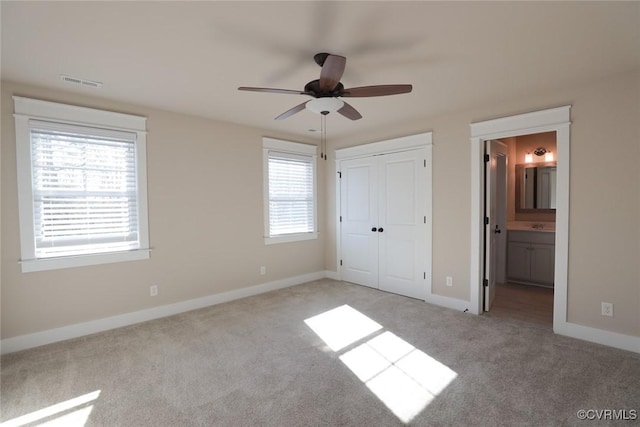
383,229
359,207
401,214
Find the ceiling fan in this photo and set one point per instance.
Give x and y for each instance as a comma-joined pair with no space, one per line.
328,89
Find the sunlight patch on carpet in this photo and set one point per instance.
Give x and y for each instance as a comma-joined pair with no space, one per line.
342,326
404,378
70,413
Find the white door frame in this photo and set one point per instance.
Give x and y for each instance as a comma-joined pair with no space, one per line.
405,143
554,119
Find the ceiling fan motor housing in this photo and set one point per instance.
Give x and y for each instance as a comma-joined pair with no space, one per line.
314,87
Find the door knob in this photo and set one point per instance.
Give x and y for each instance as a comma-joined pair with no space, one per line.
374,229
497,230
380,230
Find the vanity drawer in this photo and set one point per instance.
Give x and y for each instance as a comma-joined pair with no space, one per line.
544,237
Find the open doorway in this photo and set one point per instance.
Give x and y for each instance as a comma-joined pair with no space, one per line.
520,211
551,120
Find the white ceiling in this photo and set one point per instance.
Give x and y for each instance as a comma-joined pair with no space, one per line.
190,57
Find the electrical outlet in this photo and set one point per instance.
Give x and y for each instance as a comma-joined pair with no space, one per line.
263,270
607,309
153,290
449,281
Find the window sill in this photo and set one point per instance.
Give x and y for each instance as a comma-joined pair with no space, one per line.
290,238
44,264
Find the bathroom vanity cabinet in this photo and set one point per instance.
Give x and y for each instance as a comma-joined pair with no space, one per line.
531,257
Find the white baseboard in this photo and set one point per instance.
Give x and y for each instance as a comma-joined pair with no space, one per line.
448,302
598,336
332,275
585,333
37,339
23,342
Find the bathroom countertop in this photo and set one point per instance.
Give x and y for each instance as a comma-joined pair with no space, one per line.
546,227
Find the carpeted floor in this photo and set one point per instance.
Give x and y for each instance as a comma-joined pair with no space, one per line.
263,360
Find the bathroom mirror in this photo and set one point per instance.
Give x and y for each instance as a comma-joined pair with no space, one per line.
536,187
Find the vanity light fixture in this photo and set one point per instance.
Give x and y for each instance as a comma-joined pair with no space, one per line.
528,158
540,151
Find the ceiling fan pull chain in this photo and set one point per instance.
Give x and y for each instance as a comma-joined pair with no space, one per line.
323,136
322,125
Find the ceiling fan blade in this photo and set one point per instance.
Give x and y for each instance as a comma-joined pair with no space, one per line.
349,112
380,90
332,71
271,90
292,111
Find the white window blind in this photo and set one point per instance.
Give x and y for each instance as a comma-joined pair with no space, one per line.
84,190
291,194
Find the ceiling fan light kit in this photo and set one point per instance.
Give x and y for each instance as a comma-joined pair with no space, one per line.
320,105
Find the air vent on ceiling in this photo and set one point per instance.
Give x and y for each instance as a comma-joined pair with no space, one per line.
82,82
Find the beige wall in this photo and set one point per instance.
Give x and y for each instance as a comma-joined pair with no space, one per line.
206,231
604,230
205,225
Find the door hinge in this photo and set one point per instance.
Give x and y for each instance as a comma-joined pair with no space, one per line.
340,262
485,283
425,219
425,163
486,220
425,275
487,158
339,174
340,218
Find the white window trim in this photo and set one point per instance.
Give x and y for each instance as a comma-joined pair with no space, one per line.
33,109
271,144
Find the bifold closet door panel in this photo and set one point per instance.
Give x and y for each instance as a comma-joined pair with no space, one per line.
402,202
359,211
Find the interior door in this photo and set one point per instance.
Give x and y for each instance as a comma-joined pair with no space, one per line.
359,221
402,224
495,180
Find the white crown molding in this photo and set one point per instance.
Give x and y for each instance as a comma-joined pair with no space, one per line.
387,146
43,110
289,146
550,118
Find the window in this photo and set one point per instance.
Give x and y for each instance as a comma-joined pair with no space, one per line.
81,185
290,191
